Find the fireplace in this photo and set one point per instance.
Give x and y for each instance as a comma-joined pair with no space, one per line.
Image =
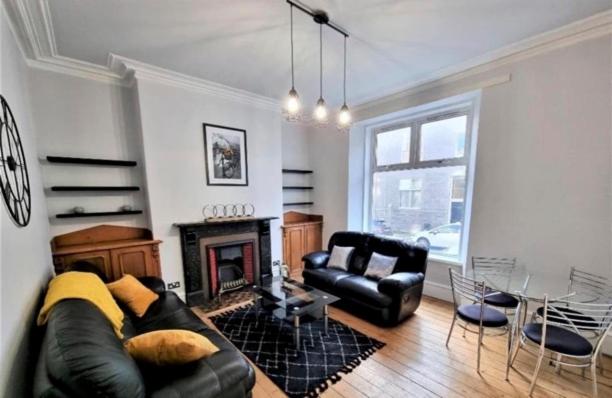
231,266
223,255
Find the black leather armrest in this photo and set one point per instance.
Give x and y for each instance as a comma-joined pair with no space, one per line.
395,284
316,260
154,283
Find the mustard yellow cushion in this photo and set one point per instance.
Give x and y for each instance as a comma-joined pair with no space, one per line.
169,347
132,293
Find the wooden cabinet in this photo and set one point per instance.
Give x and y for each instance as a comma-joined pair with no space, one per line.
115,250
302,234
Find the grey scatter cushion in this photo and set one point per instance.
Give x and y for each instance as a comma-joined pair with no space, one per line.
380,266
340,257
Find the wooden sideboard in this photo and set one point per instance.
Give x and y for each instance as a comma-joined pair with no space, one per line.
302,234
115,250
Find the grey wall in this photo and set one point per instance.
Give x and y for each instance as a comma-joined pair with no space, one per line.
25,261
86,118
543,171
173,147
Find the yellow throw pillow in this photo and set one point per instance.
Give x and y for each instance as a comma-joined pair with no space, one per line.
132,293
169,347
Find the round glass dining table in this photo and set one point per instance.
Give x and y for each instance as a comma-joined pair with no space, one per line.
528,287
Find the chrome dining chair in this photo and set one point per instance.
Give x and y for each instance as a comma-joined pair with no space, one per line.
497,267
476,314
585,287
562,337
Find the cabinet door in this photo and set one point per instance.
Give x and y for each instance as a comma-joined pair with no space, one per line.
100,259
137,261
313,238
295,239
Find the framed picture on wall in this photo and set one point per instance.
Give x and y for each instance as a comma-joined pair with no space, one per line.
225,152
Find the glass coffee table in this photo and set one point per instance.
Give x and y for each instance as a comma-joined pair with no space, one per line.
292,302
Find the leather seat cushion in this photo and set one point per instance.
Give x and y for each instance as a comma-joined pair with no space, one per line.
490,318
363,289
574,317
558,339
500,299
324,277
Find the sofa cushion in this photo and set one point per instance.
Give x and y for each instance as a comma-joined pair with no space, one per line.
170,347
84,356
340,257
171,318
410,257
380,266
359,241
324,278
363,289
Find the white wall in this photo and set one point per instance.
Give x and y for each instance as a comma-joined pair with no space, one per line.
329,160
85,118
173,146
324,151
543,174
296,155
25,262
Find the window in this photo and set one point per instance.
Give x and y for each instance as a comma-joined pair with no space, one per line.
410,193
418,180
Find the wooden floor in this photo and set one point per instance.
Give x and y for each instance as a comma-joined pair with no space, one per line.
415,363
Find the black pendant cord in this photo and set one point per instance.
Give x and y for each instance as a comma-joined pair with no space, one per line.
321,61
291,23
345,70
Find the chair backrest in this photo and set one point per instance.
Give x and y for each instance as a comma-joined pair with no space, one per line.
595,287
503,265
464,287
592,318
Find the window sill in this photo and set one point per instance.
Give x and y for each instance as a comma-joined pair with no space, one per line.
445,261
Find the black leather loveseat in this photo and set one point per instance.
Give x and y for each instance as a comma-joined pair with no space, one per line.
81,355
387,301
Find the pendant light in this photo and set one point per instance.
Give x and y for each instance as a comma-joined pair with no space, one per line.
320,112
292,105
344,117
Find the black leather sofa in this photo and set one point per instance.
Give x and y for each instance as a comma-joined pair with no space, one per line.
387,301
81,355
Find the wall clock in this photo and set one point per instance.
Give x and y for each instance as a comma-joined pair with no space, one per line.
13,170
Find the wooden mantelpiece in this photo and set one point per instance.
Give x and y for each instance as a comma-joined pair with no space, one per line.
302,234
114,249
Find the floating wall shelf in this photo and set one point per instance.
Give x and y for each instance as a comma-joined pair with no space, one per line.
298,204
98,214
296,171
71,188
90,161
296,187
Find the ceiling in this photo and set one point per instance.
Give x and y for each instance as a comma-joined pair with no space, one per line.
245,43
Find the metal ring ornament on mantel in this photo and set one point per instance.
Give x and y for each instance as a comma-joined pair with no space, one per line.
236,210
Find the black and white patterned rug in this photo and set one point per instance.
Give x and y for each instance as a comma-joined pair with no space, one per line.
268,342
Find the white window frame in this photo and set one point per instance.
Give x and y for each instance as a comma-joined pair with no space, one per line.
468,105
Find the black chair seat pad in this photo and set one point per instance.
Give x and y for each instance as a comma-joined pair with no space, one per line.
577,318
491,317
559,339
500,299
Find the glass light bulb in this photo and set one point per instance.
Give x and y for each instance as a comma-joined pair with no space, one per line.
320,112
293,102
344,118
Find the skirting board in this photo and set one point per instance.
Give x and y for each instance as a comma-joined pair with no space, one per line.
438,290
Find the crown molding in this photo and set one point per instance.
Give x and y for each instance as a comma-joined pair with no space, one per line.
129,69
592,27
32,25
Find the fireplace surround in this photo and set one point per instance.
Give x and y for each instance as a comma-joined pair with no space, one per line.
203,241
